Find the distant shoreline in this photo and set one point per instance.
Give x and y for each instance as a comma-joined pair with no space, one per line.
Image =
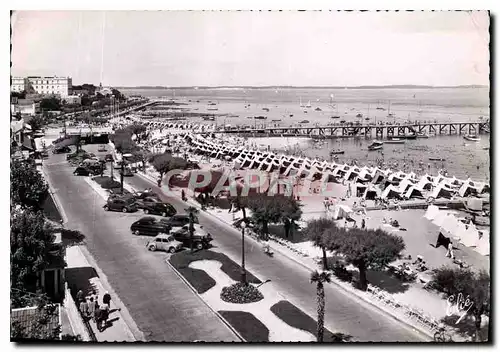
305,87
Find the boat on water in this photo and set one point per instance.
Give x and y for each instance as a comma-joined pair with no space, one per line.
436,159
211,103
342,121
213,109
367,119
422,135
265,109
304,121
409,136
472,137
336,152
376,145
276,120
260,117
305,111
209,118
359,115
250,117
291,115
301,104
318,109
308,105
335,117
395,141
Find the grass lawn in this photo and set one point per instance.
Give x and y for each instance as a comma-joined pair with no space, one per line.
247,325
296,318
105,181
200,280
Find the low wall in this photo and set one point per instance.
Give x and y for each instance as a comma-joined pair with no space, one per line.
75,319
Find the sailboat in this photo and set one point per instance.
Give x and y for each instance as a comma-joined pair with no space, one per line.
390,114
308,104
336,116
301,105
379,107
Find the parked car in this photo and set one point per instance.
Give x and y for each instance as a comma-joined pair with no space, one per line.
159,208
146,193
148,226
164,242
201,239
82,171
108,157
61,150
101,148
178,220
123,204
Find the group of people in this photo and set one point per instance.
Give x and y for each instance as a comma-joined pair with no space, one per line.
90,309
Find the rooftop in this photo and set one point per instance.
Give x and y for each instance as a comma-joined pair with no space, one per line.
28,319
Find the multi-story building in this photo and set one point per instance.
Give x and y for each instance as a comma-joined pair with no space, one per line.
51,85
25,107
18,84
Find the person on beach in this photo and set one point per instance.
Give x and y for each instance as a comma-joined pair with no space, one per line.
106,299
91,309
449,252
84,309
363,223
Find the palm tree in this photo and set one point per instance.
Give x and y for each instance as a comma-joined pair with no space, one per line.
320,279
192,211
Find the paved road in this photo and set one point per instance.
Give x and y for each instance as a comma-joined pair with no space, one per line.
160,303
344,313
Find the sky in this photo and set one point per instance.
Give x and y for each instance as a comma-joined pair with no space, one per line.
313,48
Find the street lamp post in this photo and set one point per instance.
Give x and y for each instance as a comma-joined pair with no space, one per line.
243,271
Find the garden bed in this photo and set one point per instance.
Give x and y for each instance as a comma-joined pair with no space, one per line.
113,186
247,325
199,279
296,318
240,293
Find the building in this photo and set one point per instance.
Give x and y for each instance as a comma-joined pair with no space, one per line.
18,84
25,107
73,99
61,86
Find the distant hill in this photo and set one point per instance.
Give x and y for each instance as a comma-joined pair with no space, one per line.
404,86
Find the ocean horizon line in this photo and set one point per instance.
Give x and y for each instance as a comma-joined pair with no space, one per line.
404,86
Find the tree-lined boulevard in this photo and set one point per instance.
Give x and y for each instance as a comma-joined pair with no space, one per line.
163,307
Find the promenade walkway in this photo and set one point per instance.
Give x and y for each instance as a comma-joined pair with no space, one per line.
80,275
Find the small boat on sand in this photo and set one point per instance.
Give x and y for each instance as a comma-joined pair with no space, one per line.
437,159
395,141
335,152
376,145
304,121
472,137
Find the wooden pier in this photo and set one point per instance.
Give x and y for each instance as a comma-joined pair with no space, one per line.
368,131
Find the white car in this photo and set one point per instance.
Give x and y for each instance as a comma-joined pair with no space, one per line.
164,242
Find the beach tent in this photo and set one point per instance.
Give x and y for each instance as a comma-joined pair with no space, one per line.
360,189
440,218
483,245
391,192
467,190
432,212
469,236
372,192
414,192
341,211
441,191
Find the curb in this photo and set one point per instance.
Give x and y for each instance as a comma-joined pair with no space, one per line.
55,197
133,330
206,303
297,261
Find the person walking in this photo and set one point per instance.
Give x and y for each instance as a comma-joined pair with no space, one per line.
79,297
97,313
84,310
363,223
91,309
104,315
106,299
449,252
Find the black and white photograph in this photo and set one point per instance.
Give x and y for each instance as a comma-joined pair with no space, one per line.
250,176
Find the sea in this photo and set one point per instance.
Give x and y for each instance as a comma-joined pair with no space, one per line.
317,106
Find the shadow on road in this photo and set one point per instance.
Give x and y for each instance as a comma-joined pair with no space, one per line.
79,279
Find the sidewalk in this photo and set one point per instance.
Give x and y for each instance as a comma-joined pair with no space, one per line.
81,276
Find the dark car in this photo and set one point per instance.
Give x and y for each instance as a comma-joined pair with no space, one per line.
178,220
159,208
123,204
82,171
108,157
146,193
200,239
148,226
61,150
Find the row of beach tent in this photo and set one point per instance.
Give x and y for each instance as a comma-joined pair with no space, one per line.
453,227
